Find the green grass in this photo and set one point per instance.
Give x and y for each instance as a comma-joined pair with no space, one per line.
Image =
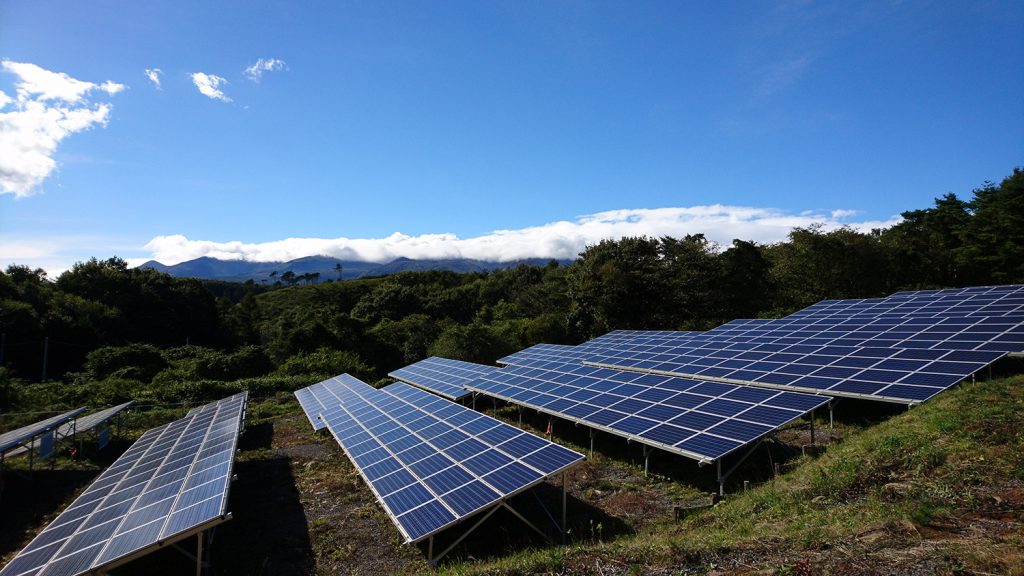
927,464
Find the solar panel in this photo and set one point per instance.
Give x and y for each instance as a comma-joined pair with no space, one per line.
701,420
891,374
13,438
311,406
904,348
442,376
91,421
973,301
432,463
81,425
995,333
171,484
559,352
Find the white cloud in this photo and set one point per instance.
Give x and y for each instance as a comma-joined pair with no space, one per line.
154,76
255,72
35,83
49,107
208,85
840,214
563,239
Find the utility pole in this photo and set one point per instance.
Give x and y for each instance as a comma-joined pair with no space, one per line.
46,354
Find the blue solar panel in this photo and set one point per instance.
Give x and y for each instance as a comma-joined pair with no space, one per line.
428,461
172,482
864,371
13,438
882,348
442,376
674,414
311,406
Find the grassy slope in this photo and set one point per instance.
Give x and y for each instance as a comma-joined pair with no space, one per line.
939,489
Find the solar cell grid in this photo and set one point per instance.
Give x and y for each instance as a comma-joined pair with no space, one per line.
171,482
835,370
558,352
91,421
430,462
674,414
441,375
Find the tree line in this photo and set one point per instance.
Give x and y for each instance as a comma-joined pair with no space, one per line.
110,332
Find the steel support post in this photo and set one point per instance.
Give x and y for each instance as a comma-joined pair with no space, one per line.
721,480
199,554
593,433
565,482
812,426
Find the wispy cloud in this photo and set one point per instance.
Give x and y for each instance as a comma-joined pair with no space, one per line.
209,86
48,107
154,76
255,72
776,77
563,239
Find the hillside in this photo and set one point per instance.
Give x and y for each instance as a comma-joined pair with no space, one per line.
938,489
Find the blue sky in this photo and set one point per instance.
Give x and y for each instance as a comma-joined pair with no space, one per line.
487,129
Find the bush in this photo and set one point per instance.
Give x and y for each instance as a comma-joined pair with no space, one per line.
138,361
326,362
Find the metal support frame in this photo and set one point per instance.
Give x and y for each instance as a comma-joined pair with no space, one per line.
202,549
718,463
647,456
433,560
812,427
204,530
593,432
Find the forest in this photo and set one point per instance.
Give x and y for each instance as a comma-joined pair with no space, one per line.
102,332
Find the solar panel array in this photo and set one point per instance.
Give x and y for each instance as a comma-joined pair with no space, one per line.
891,374
905,348
442,376
430,462
974,301
13,438
82,425
91,421
559,352
701,420
170,484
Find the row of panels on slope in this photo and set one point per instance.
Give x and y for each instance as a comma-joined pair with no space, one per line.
169,485
447,378
701,420
704,421
432,463
983,333
920,355
69,427
22,439
978,300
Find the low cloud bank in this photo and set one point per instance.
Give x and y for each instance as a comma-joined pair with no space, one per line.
561,240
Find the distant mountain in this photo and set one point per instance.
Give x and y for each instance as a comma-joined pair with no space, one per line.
240,270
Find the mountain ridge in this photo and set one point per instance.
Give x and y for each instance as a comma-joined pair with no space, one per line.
209,268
